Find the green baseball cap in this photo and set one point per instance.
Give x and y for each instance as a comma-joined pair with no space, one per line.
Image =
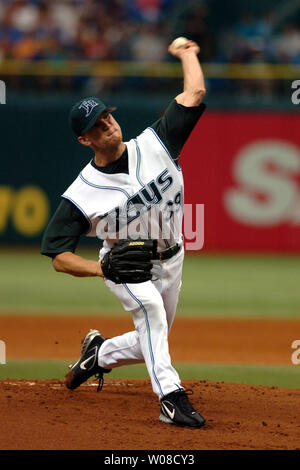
85,113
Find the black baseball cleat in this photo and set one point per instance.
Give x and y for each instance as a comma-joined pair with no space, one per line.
177,409
87,364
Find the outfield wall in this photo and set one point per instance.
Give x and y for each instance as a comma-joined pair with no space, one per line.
243,166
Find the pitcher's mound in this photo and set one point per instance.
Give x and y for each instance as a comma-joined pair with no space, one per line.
124,415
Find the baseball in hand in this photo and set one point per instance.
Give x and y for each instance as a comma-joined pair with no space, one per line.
180,42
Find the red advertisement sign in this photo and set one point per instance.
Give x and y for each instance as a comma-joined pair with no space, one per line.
245,168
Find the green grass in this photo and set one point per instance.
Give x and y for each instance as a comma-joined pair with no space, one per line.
241,285
215,285
280,376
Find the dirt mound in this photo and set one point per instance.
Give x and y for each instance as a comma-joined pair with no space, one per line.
44,415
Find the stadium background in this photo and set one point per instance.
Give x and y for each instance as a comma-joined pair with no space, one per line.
242,162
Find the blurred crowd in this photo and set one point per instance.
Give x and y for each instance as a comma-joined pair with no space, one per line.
83,29
257,39
126,30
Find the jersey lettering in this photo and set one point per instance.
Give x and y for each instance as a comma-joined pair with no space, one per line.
116,209
163,178
139,203
153,198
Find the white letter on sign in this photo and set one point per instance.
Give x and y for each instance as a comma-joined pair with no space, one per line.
254,178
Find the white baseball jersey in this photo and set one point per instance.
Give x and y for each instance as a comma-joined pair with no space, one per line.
146,203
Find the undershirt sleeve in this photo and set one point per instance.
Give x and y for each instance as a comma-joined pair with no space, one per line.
176,125
64,230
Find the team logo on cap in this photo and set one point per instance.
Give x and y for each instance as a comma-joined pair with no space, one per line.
88,105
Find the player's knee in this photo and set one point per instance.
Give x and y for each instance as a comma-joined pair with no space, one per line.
154,304
156,314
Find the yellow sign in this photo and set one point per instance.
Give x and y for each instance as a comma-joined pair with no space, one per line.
27,207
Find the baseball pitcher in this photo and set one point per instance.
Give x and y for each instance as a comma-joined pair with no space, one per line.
131,196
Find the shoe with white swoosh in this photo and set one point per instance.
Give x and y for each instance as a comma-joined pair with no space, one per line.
177,409
87,364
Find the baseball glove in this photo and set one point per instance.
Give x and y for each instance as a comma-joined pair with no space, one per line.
129,261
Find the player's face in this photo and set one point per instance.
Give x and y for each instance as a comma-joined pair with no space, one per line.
105,134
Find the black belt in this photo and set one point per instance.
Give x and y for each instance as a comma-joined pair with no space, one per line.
167,254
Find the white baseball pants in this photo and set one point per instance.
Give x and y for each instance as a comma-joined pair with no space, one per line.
153,306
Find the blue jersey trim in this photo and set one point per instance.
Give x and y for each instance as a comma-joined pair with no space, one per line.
138,166
177,166
113,188
81,210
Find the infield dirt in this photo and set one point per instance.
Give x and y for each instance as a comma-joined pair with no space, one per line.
236,341
44,415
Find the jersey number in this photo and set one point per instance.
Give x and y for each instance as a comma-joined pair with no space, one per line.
172,207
